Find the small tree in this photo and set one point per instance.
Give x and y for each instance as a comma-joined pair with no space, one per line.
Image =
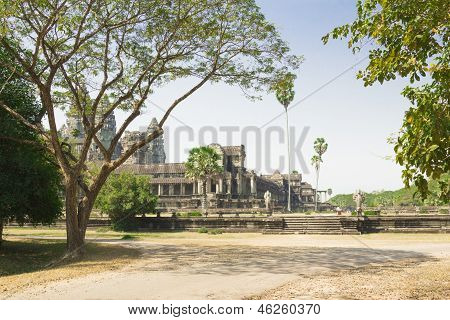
320,146
30,183
284,91
201,165
124,196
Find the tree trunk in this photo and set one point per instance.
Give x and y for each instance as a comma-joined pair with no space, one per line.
1,231
75,238
204,198
78,213
317,186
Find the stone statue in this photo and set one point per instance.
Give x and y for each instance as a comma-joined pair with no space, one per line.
359,198
267,198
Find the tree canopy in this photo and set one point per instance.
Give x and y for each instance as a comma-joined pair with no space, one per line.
203,163
95,56
411,40
30,183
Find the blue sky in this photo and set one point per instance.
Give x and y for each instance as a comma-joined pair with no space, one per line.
354,120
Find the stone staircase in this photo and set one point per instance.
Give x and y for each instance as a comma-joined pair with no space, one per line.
313,225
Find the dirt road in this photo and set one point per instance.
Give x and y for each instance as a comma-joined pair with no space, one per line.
238,267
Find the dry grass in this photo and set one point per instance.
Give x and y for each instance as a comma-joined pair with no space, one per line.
411,281
107,233
27,263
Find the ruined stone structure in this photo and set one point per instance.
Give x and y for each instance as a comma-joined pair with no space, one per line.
150,153
235,187
73,133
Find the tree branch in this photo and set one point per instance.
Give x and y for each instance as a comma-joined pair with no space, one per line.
24,121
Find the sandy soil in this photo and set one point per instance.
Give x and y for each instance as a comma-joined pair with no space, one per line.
412,281
240,266
102,258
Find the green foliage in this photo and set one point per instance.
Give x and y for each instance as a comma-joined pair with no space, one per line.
30,183
401,197
320,147
284,89
7,8
215,231
124,196
202,163
128,237
189,214
202,230
315,161
412,41
371,213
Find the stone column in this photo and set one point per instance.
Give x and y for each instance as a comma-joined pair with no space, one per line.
253,185
220,185
208,185
182,189
199,187
229,186
160,189
170,189
239,184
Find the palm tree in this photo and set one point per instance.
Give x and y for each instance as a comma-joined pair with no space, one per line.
202,163
320,146
284,90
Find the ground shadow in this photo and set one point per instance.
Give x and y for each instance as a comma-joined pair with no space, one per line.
275,260
29,255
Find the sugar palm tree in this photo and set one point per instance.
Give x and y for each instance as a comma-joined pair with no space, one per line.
284,91
203,163
320,146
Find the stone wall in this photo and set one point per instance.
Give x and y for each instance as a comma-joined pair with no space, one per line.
408,224
226,224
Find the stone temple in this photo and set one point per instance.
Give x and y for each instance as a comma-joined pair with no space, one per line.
73,133
235,187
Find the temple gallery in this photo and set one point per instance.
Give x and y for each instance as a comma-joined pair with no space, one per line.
235,187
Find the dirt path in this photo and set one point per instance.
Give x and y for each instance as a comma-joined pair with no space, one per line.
234,268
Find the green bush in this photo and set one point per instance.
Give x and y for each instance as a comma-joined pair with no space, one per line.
443,211
202,230
128,237
124,196
371,213
215,231
189,214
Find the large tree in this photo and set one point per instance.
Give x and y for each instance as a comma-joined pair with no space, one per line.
411,40
83,54
30,183
202,164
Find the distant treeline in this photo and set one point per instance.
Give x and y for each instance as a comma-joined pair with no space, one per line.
401,197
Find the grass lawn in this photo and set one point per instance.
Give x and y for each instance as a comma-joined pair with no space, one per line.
26,262
107,233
